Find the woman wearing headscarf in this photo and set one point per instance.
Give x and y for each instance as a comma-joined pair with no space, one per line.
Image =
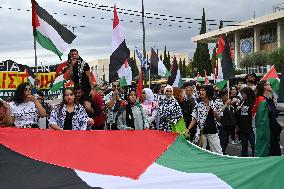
131,115
169,111
267,129
69,114
150,106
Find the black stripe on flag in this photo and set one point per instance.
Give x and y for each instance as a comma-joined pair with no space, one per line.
226,62
154,59
18,171
65,34
117,59
174,70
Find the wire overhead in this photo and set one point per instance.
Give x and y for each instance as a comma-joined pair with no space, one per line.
96,6
178,21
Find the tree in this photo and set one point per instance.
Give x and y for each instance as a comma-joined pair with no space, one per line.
184,71
167,59
132,63
221,25
213,59
276,58
255,59
180,67
201,58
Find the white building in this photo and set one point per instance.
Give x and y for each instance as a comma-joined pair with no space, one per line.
100,68
264,33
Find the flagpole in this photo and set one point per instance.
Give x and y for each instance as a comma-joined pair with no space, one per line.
35,56
228,88
149,78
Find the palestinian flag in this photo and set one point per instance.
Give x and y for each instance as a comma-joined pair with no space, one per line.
30,76
272,77
220,50
48,32
225,65
59,82
125,74
175,79
28,71
33,158
157,66
61,68
280,100
260,123
120,52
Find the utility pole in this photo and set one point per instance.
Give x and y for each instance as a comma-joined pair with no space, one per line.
143,26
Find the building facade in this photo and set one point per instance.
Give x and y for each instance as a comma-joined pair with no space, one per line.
264,33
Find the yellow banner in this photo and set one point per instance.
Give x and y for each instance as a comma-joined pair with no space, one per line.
10,80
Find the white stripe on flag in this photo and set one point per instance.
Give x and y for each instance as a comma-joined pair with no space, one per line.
52,34
117,37
162,70
156,176
220,71
177,79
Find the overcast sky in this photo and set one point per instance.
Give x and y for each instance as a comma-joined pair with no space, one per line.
94,40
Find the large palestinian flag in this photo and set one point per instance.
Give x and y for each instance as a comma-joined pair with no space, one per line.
120,52
48,32
33,158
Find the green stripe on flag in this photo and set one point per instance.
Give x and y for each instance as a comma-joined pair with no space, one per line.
245,173
46,43
275,84
221,84
122,82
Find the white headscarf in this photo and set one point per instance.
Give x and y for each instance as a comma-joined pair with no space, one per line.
168,87
149,95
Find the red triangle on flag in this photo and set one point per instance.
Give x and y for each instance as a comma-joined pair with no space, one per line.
272,73
91,151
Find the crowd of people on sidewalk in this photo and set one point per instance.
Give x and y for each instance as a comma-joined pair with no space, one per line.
246,113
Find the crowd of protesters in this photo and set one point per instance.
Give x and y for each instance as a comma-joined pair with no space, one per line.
246,113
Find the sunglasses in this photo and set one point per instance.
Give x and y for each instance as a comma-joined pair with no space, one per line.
28,89
267,84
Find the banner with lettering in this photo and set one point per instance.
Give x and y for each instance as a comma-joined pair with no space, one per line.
12,74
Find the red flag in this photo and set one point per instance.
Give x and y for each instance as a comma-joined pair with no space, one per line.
206,78
140,84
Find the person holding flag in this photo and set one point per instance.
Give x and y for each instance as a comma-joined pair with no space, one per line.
79,72
267,129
